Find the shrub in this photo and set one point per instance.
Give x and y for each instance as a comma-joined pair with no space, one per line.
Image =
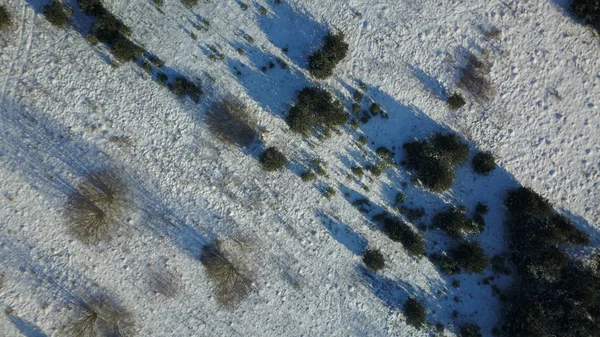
455,101
231,122
100,316
375,108
384,153
454,222
357,171
57,14
414,312
159,3
481,208
329,192
374,259
182,86
5,19
358,96
433,160
400,198
376,170
91,7
322,62
470,330
272,159
483,163
355,107
588,10
189,3
308,176
470,257
399,231
362,140
231,283
109,29
315,108
94,208
524,201
125,50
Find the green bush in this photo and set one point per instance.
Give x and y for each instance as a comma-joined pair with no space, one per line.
374,259
357,171
189,3
470,330
434,159
455,101
481,208
91,7
182,86
272,159
57,14
375,108
322,62
414,312
125,50
467,256
5,19
454,222
109,29
308,176
315,109
524,201
483,163
588,10
399,231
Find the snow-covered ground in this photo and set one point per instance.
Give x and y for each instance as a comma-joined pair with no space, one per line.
66,111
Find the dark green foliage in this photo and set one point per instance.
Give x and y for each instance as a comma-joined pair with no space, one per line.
481,208
125,50
362,140
384,153
182,86
524,201
483,163
108,28
272,159
588,10
374,259
159,3
400,198
355,107
329,192
5,19
357,171
479,221
358,96
433,159
375,108
315,109
354,123
470,330
399,231
551,296
189,3
308,176
91,7
376,170
322,62
414,312
414,213
57,14
467,256
231,122
455,223
155,60
455,101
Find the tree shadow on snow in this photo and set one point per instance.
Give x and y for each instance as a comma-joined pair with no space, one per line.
343,234
294,29
28,329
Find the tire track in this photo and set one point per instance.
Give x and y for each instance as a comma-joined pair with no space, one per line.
15,56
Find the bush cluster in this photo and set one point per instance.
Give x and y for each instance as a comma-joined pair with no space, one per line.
470,330
434,159
467,256
455,101
483,163
551,295
374,259
57,14
401,232
272,159
322,62
315,109
415,312
588,10
454,222
5,19
182,86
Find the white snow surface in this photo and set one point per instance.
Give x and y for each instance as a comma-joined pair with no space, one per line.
64,106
